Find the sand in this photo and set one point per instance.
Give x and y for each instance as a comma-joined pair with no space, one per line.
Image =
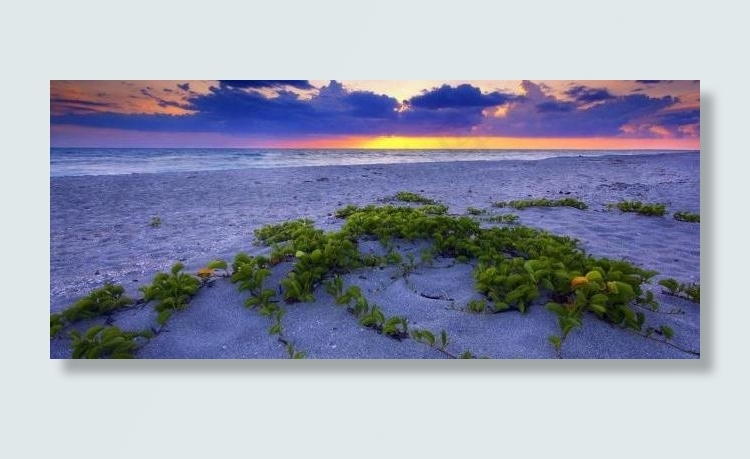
100,232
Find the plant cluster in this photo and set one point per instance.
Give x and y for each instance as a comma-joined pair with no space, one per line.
687,217
407,196
657,210
510,219
171,291
370,316
690,291
105,342
516,267
249,274
543,202
474,211
100,302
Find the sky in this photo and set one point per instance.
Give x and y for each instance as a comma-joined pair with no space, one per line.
515,114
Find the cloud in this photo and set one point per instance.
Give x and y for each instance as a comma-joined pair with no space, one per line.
648,81
587,95
333,109
680,117
88,103
539,114
555,106
463,95
258,84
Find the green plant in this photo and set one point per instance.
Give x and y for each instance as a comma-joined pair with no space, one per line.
56,324
657,210
155,222
373,319
427,337
346,211
393,258
543,202
672,285
335,286
396,327
687,217
407,196
475,211
171,291
208,270
298,287
476,306
293,353
510,219
105,342
690,291
434,209
99,302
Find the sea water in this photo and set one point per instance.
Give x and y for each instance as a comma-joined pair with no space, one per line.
119,161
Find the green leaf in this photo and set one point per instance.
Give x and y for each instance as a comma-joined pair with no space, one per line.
164,316
556,342
666,331
217,264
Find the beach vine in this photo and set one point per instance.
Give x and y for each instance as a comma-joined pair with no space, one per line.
515,268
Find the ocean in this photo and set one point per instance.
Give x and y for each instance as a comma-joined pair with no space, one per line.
65,162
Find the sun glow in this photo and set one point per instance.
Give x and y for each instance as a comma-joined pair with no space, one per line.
402,142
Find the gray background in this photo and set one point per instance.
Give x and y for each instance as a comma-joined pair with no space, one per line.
361,408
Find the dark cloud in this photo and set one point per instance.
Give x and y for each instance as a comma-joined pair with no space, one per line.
258,84
648,81
367,104
60,105
555,106
680,117
184,86
539,114
584,94
463,95
88,103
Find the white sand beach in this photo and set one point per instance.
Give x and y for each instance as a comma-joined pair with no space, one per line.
100,232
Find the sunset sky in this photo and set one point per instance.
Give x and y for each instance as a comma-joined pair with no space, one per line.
611,114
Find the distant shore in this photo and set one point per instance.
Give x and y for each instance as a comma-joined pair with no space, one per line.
125,228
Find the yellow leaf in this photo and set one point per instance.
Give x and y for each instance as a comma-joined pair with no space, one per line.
580,280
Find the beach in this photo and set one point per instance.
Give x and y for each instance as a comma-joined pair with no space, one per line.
125,228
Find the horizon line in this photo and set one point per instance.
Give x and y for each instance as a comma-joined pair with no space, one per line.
374,148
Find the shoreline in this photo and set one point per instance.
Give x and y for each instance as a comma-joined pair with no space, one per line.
605,154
